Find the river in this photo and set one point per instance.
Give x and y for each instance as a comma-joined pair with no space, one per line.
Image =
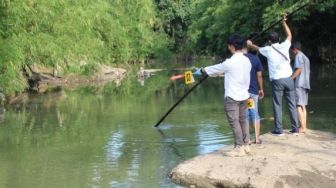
89,138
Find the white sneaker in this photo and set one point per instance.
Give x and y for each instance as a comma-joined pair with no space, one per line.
237,151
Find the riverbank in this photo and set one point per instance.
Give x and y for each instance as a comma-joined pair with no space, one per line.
307,160
41,78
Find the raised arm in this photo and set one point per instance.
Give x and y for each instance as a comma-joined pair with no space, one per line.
286,28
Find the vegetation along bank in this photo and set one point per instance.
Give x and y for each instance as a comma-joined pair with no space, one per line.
79,37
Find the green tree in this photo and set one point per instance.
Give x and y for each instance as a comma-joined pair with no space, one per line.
214,20
175,19
64,33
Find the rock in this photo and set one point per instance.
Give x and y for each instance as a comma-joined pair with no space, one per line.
107,73
145,73
41,81
307,160
106,69
40,69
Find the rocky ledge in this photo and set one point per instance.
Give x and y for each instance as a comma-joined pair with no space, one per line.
42,78
304,161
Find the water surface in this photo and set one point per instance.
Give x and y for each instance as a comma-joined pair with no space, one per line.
85,138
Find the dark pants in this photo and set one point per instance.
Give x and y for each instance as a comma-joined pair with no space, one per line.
279,88
235,112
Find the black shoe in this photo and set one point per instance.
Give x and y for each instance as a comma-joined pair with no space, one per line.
277,133
294,132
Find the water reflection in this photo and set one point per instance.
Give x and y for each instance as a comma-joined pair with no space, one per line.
210,138
171,144
114,148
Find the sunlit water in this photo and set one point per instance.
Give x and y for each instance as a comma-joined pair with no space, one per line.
89,139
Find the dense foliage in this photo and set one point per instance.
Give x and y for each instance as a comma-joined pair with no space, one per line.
214,20
175,16
65,32
75,35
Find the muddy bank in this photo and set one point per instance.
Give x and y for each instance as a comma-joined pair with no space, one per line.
307,160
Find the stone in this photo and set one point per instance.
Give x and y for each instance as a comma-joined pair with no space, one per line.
307,160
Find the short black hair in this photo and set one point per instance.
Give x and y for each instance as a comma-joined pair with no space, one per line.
296,45
273,37
236,40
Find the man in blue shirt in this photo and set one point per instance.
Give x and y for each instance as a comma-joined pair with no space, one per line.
256,92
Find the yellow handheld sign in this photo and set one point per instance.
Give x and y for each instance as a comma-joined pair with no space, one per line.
188,77
250,103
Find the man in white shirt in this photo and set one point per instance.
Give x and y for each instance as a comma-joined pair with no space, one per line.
236,71
280,72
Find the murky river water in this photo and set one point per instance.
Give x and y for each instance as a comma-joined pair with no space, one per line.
89,139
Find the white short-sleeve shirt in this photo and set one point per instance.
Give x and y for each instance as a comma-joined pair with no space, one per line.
236,75
278,66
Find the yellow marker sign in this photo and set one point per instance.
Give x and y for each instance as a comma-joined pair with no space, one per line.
188,77
250,103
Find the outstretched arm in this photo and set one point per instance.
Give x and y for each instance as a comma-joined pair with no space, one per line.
251,45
